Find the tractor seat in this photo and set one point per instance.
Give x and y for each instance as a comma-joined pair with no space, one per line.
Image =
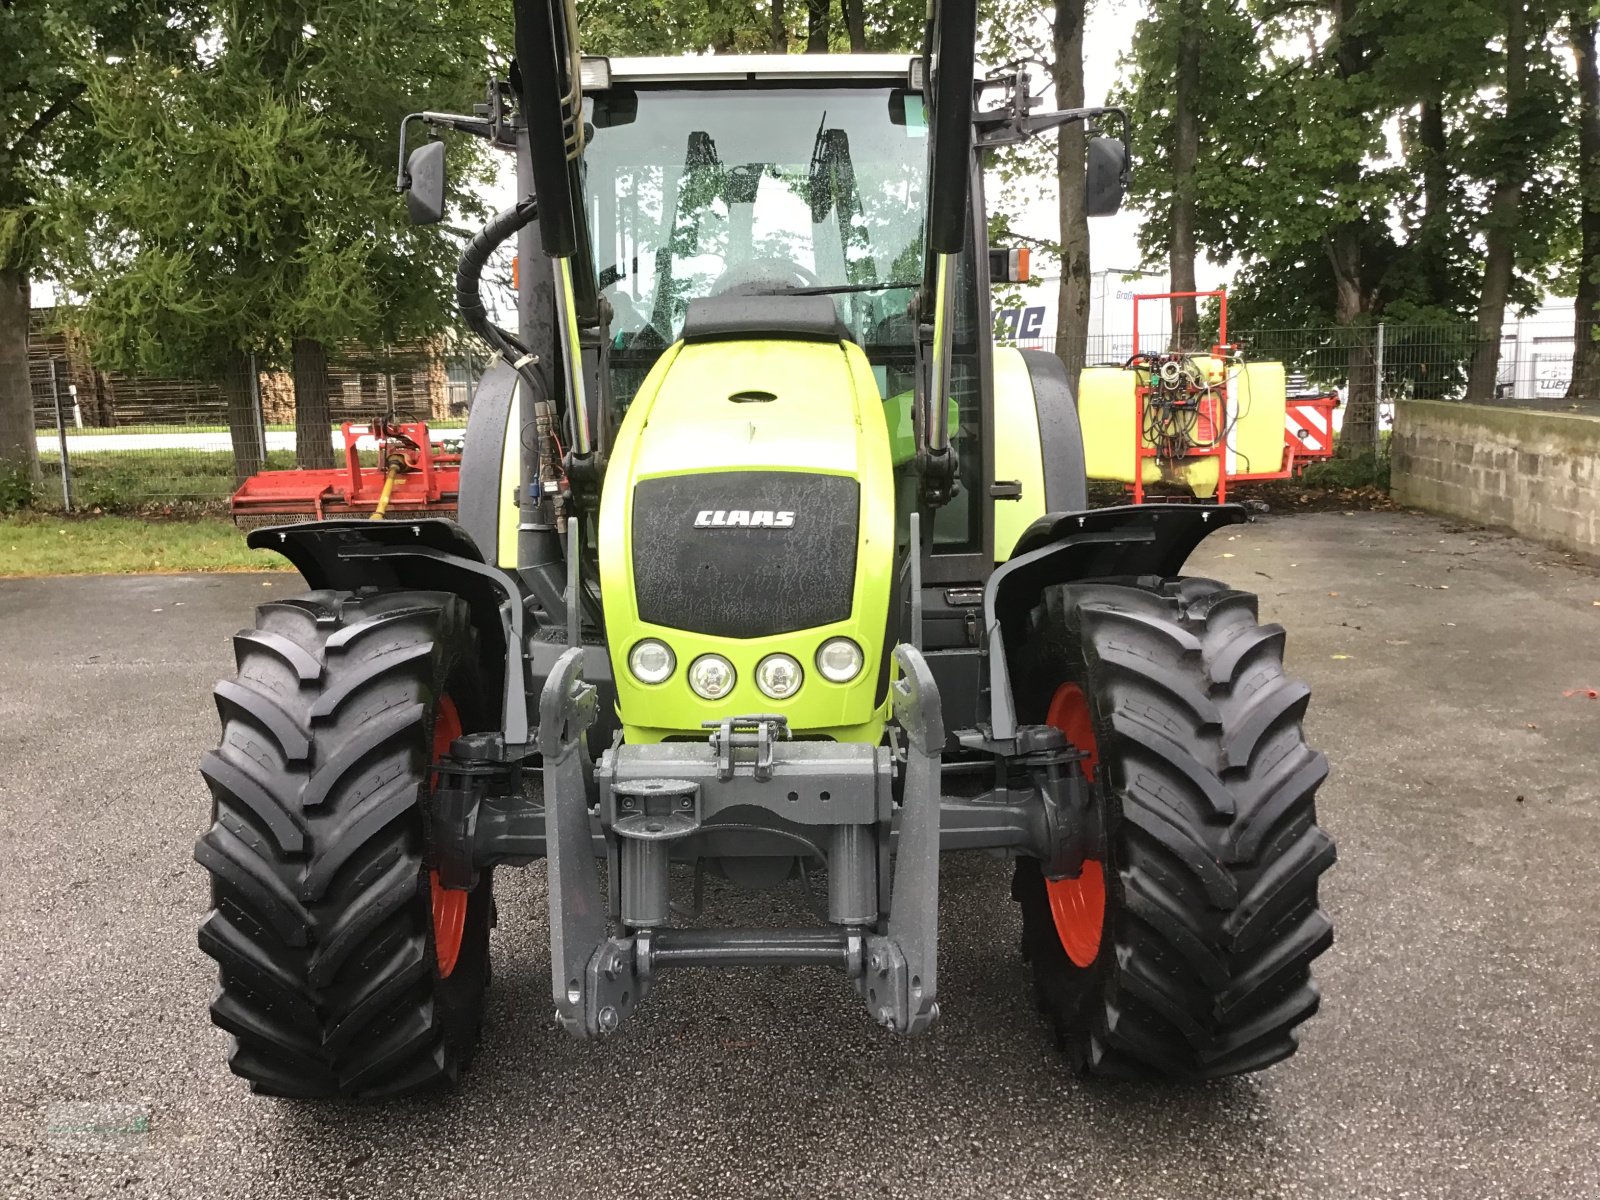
780,318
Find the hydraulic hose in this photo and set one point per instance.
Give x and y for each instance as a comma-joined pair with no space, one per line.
539,549
469,279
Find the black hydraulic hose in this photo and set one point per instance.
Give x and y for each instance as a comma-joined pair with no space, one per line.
469,279
539,549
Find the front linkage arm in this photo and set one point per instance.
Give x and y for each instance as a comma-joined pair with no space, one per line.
600,975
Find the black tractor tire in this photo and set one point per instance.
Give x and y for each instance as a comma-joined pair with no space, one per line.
1206,789
322,919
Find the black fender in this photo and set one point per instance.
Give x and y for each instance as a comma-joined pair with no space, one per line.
427,554
481,458
1144,539
1055,399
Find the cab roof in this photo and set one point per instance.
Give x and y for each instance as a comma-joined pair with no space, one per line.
735,68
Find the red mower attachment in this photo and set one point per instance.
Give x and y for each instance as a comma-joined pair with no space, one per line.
408,476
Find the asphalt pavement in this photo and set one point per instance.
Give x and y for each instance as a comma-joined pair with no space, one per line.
1457,1053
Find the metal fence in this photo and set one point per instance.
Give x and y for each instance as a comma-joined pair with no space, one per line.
118,442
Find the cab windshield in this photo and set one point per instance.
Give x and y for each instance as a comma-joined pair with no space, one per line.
699,193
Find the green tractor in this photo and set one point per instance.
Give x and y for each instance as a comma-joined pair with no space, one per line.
770,566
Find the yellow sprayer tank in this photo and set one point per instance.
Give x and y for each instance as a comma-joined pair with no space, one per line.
1107,411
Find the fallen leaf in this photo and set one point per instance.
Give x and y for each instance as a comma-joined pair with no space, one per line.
1531,725
1333,593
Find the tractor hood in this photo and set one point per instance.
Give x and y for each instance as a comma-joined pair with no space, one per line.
748,509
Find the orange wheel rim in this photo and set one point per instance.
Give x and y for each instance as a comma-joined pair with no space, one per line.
1078,906
449,904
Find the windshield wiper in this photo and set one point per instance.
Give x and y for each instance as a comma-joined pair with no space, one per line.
837,289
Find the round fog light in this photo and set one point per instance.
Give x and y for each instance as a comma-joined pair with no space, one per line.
840,660
651,661
779,676
711,676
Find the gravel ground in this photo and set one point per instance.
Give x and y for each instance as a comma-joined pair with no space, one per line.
1456,1054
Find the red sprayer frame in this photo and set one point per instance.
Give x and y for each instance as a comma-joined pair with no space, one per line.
1213,412
1308,432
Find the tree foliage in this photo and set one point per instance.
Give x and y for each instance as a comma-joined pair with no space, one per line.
1351,154
246,197
46,49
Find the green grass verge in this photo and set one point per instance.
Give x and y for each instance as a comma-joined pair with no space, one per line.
39,544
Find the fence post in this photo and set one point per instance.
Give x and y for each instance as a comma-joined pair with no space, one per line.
1377,387
61,437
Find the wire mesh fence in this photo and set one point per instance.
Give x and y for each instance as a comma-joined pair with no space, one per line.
118,442
113,441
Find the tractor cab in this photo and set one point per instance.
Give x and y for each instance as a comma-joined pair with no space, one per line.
778,192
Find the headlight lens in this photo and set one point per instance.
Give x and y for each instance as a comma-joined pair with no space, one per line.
651,661
779,676
840,660
711,676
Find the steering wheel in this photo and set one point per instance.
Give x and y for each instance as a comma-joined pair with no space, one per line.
762,275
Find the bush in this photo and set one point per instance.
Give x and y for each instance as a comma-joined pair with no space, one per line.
1362,470
17,489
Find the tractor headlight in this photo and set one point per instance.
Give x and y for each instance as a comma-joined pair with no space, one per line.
711,676
779,676
651,661
840,660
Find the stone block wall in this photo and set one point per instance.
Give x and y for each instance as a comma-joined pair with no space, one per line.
1536,473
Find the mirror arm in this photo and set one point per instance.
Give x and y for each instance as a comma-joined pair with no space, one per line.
477,126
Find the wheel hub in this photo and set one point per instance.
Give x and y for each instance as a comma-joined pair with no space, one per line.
449,904
1078,906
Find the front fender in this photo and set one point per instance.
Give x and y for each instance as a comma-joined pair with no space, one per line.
1144,539
428,554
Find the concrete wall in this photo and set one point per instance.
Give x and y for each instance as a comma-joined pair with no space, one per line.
1537,473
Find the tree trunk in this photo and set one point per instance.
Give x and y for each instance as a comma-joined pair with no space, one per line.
1431,154
313,441
778,27
1585,385
248,453
19,451
1500,258
1353,299
1352,303
1185,153
817,26
1072,314
855,21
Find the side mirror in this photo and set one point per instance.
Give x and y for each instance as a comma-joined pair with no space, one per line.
1106,176
425,184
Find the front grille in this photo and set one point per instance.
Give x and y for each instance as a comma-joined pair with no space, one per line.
728,578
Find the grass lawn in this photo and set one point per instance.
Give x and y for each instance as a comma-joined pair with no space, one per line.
39,544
